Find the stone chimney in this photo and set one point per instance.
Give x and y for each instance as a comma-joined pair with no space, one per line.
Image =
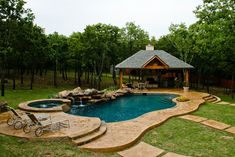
149,47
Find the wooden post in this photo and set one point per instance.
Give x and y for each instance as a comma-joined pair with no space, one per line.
186,79
120,78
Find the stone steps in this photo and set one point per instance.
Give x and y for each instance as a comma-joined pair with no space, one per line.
91,136
212,99
86,132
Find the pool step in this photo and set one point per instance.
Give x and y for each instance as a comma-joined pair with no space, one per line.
90,137
95,128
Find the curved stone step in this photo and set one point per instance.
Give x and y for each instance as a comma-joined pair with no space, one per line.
208,98
95,128
91,137
218,99
212,100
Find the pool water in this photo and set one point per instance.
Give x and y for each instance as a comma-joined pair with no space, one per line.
126,107
45,104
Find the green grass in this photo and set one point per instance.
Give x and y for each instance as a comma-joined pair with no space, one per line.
222,113
227,98
176,135
189,138
14,97
15,147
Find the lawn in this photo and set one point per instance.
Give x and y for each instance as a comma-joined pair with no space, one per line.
15,147
222,113
192,139
227,98
14,97
176,135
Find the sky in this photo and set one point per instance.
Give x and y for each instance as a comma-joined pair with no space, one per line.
154,16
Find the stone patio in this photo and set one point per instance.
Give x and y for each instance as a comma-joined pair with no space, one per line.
142,149
77,125
215,124
231,130
193,118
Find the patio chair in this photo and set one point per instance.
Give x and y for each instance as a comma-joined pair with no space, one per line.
41,126
17,119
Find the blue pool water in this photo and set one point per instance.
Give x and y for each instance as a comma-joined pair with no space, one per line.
45,104
126,107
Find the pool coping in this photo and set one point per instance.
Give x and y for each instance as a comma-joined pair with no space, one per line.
24,106
178,109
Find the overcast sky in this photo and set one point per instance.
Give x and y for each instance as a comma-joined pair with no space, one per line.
154,16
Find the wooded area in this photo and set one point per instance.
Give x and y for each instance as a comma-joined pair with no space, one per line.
208,45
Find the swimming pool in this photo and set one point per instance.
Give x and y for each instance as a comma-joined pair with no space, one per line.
126,107
45,104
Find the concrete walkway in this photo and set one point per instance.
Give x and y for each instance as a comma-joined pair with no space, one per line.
210,123
143,149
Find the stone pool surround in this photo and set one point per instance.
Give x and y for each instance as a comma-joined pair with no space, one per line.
121,135
25,106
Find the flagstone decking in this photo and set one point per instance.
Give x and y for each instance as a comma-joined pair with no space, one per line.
193,118
142,149
216,124
115,136
210,123
78,125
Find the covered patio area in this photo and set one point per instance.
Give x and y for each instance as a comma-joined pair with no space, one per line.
154,68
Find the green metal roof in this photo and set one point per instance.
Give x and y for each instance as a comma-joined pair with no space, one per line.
139,59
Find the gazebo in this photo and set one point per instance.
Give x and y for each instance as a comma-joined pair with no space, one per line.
153,60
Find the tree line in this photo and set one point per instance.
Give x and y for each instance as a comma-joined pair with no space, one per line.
207,44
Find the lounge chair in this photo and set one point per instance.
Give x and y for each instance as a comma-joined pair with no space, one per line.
41,126
17,119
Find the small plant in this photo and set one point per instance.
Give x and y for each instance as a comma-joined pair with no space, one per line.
182,99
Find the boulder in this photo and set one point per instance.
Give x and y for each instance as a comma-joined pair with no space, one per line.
109,95
122,91
97,96
64,94
77,92
93,101
90,92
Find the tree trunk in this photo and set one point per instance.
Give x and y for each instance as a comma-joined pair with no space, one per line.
232,86
55,74
2,83
75,76
32,79
114,75
207,85
13,80
21,76
88,77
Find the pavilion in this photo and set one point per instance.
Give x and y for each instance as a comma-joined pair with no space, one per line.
153,61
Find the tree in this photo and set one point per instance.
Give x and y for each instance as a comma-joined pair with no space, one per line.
58,52
136,38
76,54
12,12
216,35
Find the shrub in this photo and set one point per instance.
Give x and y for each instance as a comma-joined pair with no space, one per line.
182,99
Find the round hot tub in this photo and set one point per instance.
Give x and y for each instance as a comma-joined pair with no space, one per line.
45,105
